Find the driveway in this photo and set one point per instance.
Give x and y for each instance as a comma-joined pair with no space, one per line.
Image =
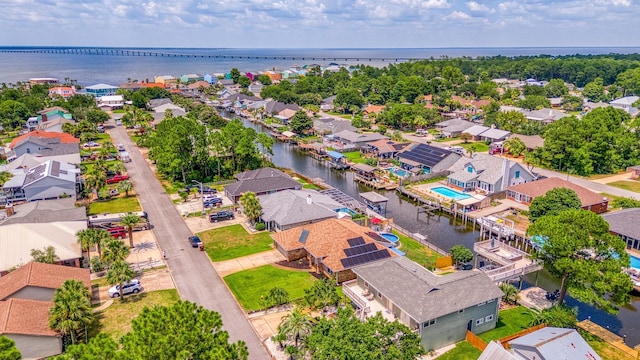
195,278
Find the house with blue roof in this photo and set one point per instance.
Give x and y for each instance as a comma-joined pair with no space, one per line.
99,90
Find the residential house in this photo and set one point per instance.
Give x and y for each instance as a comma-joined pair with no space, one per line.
290,208
64,92
42,81
427,158
38,281
546,116
327,104
453,127
548,343
372,110
49,180
111,102
276,107
131,86
334,247
475,131
260,181
275,76
211,79
154,103
54,125
531,142
635,171
494,135
255,88
347,140
525,193
327,125
26,296
100,90
48,115
470,106
384,149
27,323
624,223
486,173
44,211
193,88
439,308
626,104
167,81
191,78
227,83
52,145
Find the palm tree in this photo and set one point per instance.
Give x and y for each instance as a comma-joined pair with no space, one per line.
119,168
85,239
71,309
295,325
5,176
115,251
125,186
251,206
510,293
120,273
292,351
95,180
129,221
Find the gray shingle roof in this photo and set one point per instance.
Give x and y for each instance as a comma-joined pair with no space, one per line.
488,167
624,222
46,211
555,343
261,181
424,295
292,207
357,137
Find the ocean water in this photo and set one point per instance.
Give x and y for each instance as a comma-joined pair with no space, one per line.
115,69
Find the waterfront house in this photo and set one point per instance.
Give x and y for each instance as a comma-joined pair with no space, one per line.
111,102
275,107
328,125
131,86
260,181
290,208
191,78
99,90
453,127
626,104
624,223
440,309
333,247
275,76
427,158
347,140
487,174
64,92
211,79
166,80
525,193
384,149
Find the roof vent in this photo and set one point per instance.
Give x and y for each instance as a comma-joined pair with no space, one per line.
309,199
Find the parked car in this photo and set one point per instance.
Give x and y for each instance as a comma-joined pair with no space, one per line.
121,147
131,287
117,178
204,190
465,266
211,202
195,241
90,144
118,232
455,149
221,215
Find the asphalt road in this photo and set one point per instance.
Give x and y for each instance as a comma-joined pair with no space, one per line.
195,277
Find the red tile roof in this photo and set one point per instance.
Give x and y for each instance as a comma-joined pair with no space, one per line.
540,187
26,317
64,137
327,240
41,275
374,109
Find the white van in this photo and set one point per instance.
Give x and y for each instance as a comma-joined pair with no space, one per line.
124,156
456,149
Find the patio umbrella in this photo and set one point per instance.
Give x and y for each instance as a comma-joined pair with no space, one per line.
376,221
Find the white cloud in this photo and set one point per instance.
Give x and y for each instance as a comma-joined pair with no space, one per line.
474,6
458,15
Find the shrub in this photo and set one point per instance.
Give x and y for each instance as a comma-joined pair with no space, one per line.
260,226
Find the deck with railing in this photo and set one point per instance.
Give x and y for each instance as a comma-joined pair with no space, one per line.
513,262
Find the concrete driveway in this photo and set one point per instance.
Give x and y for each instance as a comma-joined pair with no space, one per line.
158,279
194,276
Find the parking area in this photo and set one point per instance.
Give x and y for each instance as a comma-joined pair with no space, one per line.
152,280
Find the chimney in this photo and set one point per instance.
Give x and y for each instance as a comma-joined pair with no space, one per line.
309,199
44,118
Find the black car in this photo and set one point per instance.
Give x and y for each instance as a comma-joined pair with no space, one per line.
204,190
211,202
195,241
221,215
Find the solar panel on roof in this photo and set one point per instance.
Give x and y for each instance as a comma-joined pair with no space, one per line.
425,154
356,241
365,258
353,251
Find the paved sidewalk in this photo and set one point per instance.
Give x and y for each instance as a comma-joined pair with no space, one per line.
227,267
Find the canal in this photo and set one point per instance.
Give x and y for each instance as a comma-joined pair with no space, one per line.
444,232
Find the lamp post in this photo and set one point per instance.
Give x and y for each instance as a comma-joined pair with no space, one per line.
202,198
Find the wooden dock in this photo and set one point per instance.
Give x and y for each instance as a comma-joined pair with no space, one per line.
376,184
609,337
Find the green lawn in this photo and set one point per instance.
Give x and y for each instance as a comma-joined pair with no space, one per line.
234,241
249,285
344,116
355,156
116,319
116,205
480,146
630,185
307,185
510,321
416,251
462,351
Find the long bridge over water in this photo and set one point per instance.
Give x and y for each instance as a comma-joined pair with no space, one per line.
133,52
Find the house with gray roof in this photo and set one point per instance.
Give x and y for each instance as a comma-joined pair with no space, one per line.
439,308
545,116
49,180
495,135
624,223
429,159
475,131
347,140
260,181
626,104
154,103
45,211
453,127
487,173
286,209
326,125
275,107
551,343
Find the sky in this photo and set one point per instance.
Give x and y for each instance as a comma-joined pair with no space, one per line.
319,23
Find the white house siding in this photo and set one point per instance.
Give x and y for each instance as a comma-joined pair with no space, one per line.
33,293
525,176
37,347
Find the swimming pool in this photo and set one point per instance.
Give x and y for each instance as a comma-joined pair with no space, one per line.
450,193
398,171
346,210
635,262
391,237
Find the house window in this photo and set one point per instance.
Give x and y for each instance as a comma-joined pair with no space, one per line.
488,318
460,311
482,303
518,174
28,151
469,169
480,321
429,323
379,294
